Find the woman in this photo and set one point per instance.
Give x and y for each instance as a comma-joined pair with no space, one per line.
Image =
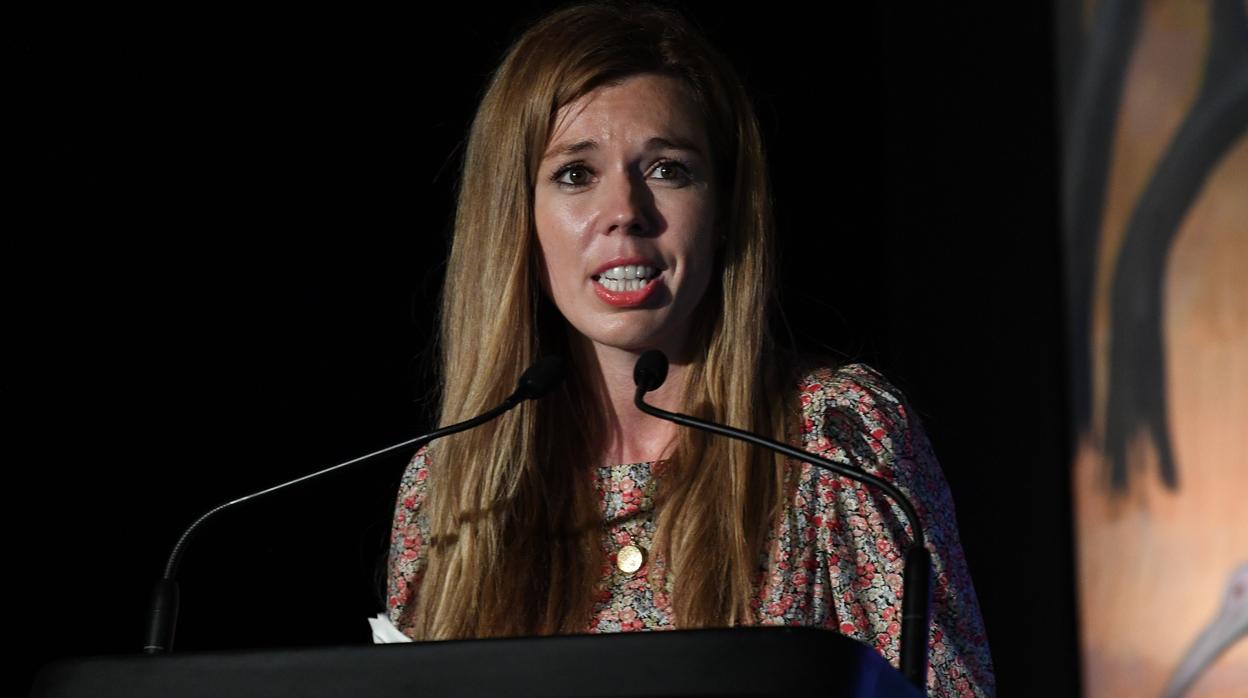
615,199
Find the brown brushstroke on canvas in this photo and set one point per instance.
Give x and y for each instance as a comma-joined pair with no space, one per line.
1153,562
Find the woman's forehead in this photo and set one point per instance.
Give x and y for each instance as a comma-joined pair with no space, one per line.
651,109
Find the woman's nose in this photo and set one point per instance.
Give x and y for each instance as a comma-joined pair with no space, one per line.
627,203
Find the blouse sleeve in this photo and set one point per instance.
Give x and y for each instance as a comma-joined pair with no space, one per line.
407,559
855,416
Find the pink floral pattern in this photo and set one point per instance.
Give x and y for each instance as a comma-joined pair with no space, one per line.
834,558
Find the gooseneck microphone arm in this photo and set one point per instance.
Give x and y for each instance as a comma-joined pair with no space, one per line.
650,372
163,611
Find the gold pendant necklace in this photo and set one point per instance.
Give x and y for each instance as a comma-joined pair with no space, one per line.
629,559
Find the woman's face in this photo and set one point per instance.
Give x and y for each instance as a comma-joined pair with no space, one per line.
624,207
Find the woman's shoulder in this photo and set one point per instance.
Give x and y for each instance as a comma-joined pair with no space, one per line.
851,412
826,390
856,381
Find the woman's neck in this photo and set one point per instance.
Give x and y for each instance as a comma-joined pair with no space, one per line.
630,435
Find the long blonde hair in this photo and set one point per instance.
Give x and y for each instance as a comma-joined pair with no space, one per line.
514,518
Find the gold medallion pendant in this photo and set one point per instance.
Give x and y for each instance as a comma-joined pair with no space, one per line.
629,559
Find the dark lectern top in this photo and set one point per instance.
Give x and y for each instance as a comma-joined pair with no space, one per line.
767,661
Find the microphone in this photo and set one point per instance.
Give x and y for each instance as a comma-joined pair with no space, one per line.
162,615
649,373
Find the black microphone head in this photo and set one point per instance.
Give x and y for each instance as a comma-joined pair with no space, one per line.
540,377
650,370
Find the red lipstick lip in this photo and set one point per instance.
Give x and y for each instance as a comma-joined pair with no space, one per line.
624,261
626,299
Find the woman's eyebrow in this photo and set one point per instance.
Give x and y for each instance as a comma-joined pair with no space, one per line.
571,148
674,143
655,143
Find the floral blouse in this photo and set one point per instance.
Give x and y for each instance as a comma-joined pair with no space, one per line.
833,560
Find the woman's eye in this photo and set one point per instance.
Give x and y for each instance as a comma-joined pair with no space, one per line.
671,169
574,175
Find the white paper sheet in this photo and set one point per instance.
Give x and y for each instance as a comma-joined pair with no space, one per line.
384,631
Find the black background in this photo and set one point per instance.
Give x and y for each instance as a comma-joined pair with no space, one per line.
228,247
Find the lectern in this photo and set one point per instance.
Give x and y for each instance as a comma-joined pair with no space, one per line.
761,661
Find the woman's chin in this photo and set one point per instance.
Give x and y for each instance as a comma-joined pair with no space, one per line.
633,331
631,342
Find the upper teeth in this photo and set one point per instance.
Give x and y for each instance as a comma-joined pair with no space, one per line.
629,271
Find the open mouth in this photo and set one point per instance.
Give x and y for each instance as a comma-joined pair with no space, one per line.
625,278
